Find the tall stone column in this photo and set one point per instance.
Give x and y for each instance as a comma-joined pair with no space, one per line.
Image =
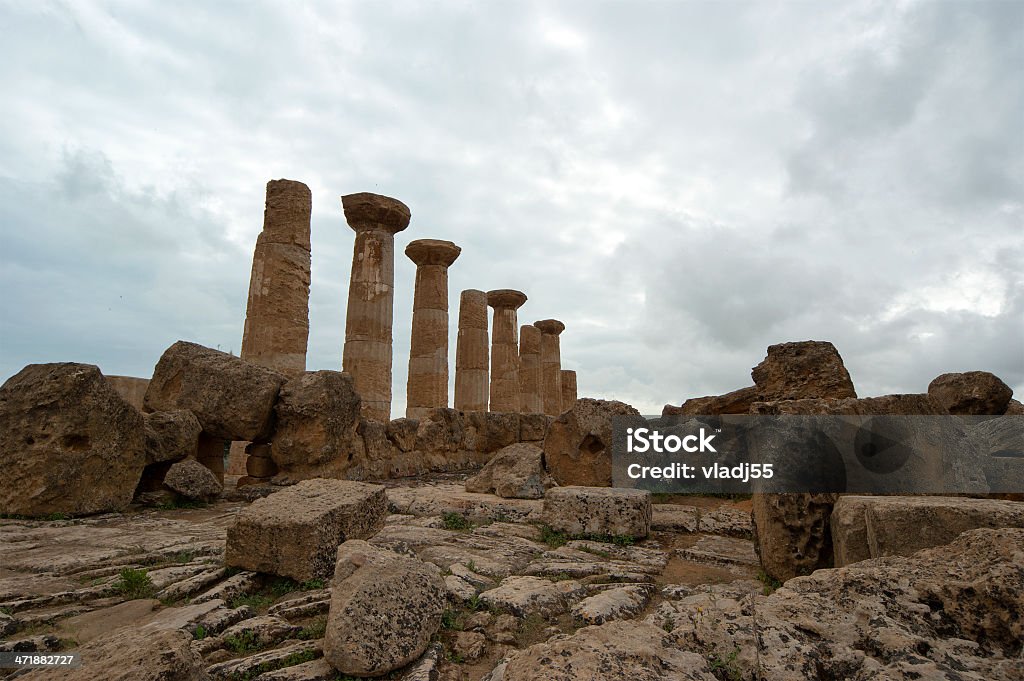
427,386
551,364
530,377
505,349
569,395
277,313
367,356
471,353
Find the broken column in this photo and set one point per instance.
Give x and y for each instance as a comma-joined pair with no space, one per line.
530,377
277,314
568,388
427,386
471,354
367,356
505,349
551,364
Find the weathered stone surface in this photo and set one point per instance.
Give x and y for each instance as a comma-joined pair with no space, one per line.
295,532
489,431
505,349
193,480
617,650
551,364
792,533
515,472
402,433
71,443
171,435
534,427
368,341
130,654
736,402
531,375
427,385
568,388
317,417
441,430
385,608
578,445
598,511
277,311
907,404
972,392
873,527
471,354
806,369
233,399
437,499
951,612
130,388
1014,408
525,596
623,602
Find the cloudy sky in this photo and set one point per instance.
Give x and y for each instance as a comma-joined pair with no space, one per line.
682,184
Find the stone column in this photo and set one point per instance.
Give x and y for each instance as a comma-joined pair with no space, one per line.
505,349
277,314
568,389
551,364
471,353
427,387
530,378
367,356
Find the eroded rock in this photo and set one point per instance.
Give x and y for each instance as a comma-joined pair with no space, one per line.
578,445
515,472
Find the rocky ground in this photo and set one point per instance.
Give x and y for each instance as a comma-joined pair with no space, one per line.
66,583
524,602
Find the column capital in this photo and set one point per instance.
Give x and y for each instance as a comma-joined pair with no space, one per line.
432,252
552,326
365,211
506,298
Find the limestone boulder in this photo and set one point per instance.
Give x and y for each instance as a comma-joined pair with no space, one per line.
792,533
598,511
193,480
133,654
735,402
72,444
441,430
515,472
385,607
877,526
1014,408
615,651
806,369
525,596
971,392
911,404
578,445
317,419
402,433
233,399
171,435
950,612
296,532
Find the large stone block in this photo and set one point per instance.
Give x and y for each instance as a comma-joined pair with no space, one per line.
171,435
873,527
515,472
193,480
317,419
792,534
71,443
598,511
233,399
578,444
806,369
972,392
296,532
385,607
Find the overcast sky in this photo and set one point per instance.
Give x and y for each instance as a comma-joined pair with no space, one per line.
683,184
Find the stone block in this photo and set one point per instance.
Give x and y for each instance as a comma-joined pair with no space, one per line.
873,527
598,511
296,532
